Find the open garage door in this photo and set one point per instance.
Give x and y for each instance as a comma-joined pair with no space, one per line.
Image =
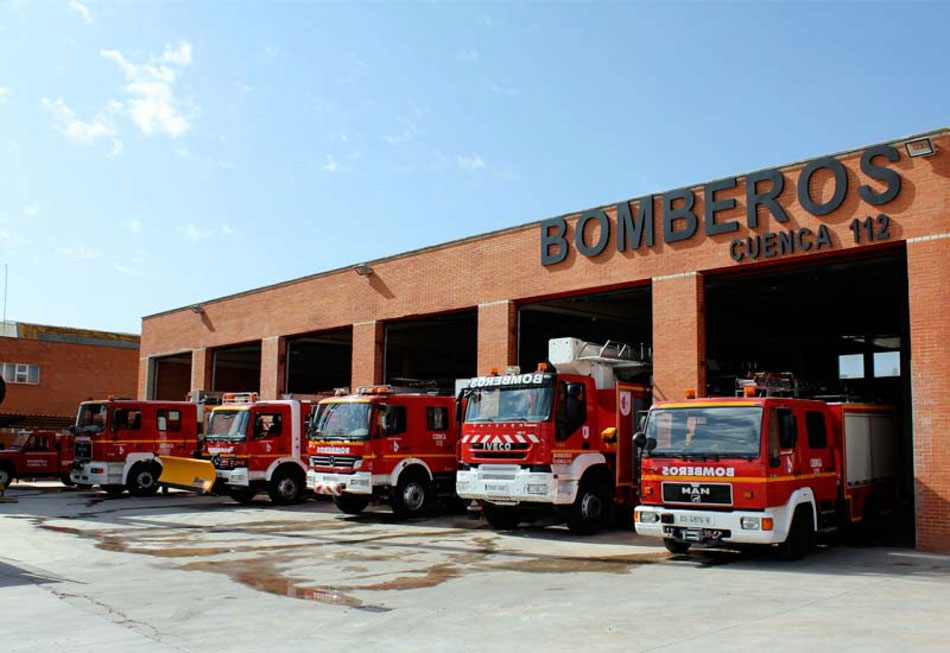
624,316
171,377
840,327
436,349
237,369
319,362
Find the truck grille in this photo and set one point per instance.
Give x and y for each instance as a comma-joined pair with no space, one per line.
82,450
511,451
698,493
334,462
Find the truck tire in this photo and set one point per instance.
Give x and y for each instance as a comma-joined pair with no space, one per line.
286,486
501,518
676,546
66,480
801,536
242,495
412,496
588,514
143,479
114,491
6,477
351,504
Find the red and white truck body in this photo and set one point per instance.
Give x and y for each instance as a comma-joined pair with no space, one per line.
764,470
258,445
118,441
553,439
37,454
384,445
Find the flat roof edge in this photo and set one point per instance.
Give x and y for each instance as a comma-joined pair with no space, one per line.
533,223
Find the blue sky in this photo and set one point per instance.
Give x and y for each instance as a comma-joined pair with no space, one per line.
153,155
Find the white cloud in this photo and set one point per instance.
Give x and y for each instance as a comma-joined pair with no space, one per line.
411,128
244,87
82,10
151,87
81,252
31,210
75,128
332,164
195,233
470,56
469,162
183,153
271,51
504,90
4,93
121,268
134,226
117,147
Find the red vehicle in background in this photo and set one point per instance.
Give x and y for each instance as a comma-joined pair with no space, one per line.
37,454
256,446
764,470
117,442
556,440
383,445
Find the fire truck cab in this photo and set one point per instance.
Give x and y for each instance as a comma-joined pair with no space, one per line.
258,445
559,438
37,454
118,442
384,445
763,470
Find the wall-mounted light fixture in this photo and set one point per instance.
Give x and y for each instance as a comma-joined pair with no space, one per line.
197,308
363,269
920,147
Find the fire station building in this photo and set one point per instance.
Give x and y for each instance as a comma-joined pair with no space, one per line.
834,269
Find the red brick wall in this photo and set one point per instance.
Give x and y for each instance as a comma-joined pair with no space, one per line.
929,298
679,336
69,373
367,353
497,336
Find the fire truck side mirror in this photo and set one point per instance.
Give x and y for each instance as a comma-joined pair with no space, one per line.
640,440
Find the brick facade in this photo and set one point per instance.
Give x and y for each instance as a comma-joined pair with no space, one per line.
497,271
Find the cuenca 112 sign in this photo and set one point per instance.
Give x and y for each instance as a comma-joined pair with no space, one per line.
636,222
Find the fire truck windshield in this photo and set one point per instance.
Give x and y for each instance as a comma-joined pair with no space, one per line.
228,426
341,421
706,432
92,418
510,404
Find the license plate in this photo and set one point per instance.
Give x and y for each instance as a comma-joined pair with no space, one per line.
703,520
496,487
693,534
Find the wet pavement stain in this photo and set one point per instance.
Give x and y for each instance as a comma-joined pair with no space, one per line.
620,564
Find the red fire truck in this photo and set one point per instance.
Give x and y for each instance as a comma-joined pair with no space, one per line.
763,470
250,446
37,454
118,442
384,445
554,439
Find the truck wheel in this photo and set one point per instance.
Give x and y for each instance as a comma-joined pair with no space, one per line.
143,479
66,480
242,494
5,477
588,514
675,546
801,536
285,487
501,518
114,491
351,504
412,496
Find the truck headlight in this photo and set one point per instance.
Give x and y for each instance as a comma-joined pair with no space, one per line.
750,523
537,488
358,464
648,517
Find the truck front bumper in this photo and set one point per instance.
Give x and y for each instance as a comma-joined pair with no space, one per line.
337,484
506,484
237,476
710,527
97,473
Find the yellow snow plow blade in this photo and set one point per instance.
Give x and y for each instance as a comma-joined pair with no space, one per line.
189,474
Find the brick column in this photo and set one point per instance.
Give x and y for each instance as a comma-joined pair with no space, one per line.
368,352
201,362
497,335
929,299
679,336
273,366
144,372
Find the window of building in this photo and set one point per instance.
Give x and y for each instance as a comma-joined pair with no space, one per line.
168,420
20,373
887,363
437,418
851,366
